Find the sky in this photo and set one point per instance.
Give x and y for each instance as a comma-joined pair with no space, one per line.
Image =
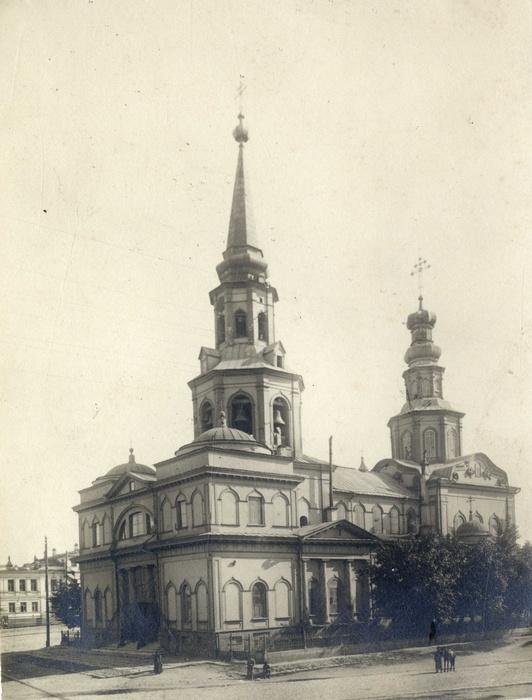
379,132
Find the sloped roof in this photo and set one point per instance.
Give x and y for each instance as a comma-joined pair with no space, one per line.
368,483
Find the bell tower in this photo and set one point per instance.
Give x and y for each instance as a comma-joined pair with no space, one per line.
427,430
244,374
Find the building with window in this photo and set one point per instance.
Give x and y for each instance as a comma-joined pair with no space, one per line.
23,588
240,534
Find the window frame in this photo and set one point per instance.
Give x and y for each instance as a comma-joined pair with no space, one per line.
259,501
259,605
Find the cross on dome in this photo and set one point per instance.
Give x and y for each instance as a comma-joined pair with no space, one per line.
420,266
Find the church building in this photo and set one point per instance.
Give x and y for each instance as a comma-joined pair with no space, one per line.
240,535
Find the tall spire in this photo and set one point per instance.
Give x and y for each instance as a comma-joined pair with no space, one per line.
241,224
242,255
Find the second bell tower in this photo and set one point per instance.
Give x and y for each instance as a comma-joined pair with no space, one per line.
245,373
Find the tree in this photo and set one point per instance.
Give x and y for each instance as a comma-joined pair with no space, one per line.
430,576
414,581
66,603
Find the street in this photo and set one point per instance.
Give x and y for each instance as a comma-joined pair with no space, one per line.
502,669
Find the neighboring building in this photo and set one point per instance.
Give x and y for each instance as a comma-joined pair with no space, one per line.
23,588
238,536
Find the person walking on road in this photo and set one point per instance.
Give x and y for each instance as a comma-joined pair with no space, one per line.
250,668
437,660
452,660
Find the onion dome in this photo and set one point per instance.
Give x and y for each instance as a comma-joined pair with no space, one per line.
422,349
472,532
225,438
131,467
240,133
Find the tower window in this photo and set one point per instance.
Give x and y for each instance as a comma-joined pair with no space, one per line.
429,444
281,419
220,329
262,324
280,361
241,330
206,416
241,412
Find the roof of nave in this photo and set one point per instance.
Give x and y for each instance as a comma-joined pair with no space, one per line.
368,483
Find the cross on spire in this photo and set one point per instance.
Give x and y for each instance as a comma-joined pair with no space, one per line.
418,269
240,94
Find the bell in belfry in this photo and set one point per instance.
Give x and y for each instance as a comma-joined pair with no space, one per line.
240,417
277,418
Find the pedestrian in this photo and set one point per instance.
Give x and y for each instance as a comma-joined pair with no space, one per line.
452,660
266,670
158,661
250,668
444,659
437,660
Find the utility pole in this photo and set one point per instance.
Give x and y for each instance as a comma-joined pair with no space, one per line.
46,591
330,476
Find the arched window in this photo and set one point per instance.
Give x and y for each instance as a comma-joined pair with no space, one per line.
314,597
280,510
394,521
459,519
241,329
411,522
376,512
86,535
256,509
166,515
180,512
281,422
335,591
282,599
136,524
406,445
452,443
425,387
229,508
358,515
220,329
108,605
206,416
106,529
88,607
186,605
341,511
198,514
259,599
98,608
303,511
96,533
429,444
233,602
202,608
262,326
241,412
495,525
171,603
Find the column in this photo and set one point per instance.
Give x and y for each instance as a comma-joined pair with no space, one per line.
324,596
